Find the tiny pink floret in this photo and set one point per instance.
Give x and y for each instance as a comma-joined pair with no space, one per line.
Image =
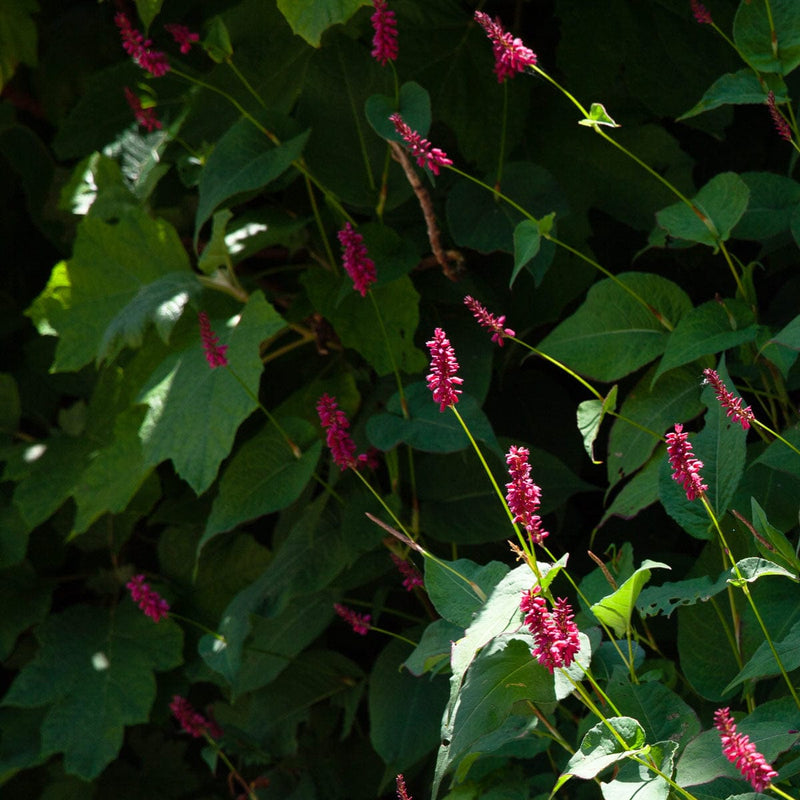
148,600
443,378
741,752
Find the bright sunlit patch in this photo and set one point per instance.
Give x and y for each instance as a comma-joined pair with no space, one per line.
100,662
170,310
34,453
234,241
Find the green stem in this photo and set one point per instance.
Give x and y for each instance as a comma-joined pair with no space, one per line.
218,636
502,154
395,370
225,760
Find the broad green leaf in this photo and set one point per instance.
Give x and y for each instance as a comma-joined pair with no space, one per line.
762,664
25,600
527,244
434,647
429,429
148,11
615,609
18,37
263,476
194,411
753,32
414,107
666,598
722,202
356,322
217,41
617,329
789,335
713,327
638,493
651,407
737,88
774,200
600,748
243,160
311,18
458,589
636,781
94,672
215,254
590,416
13,534
751,569
773,544
404,712
112,264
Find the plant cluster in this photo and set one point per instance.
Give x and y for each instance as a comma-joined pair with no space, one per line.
278,477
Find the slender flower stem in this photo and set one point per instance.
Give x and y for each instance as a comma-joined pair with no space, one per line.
502,154
247,85
225,760
218,636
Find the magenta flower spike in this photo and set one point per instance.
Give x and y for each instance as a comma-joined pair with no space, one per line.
335,423
360,623
523,495
442,379
182,36
193,722
701,13
402,792
148,600
411,575
733,405
555,634
510,54
686,467
358,265
781,125
140,49
426,154
215,352
489,321
146,117
384,41
741,752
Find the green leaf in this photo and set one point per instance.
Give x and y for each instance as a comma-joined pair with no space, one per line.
148,11
666,598
775,545
753,32
458,589
635,781
789,335
774,200
194,411
414,106
111,266
243,160
751,569
721,202
25,600
311,18
638,493
616,608
598,116
652,407
600,749
737,88
590,417
613,333
215,254
18,37
713,327
434,647
217,41
94,672
263,476
427,428
527,244
404,712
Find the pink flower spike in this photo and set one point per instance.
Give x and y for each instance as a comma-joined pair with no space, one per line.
411,575
741,752
335,423
384,42
360,623
733,405
215,352
135,45
442,379
402,792
358,265
778,120
555,635
148,600
523,495
701,14
193,722
146,117
510,54
490,321
686,467
182,36
427,156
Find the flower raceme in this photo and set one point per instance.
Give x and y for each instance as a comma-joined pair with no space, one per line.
442,379
733,405
384,42
335,423
360,623
148,600
215,352
358,265
686,467
489,321
426,154
402,792
182,36
523,495
411,575
780,123
741,752
701,13
146,117
140,49
510,54
193,722
555,635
